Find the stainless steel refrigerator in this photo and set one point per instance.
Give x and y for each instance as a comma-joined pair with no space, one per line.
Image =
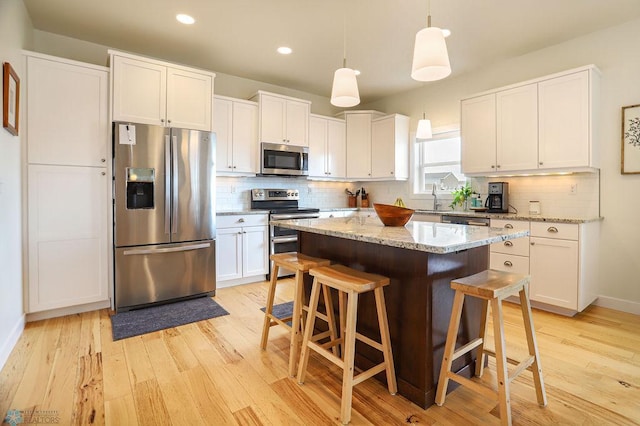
164,214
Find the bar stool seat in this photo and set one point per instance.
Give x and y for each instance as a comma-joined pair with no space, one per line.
300,264
350,283
492,287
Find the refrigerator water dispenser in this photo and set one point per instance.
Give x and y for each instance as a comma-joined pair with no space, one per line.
140,185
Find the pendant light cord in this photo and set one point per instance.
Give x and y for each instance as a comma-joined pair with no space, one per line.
428,13
344,40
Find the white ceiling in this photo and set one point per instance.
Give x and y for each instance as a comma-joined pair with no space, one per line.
239,37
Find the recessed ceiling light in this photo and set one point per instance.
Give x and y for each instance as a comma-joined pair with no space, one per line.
284,50
446,32
185,19
356,72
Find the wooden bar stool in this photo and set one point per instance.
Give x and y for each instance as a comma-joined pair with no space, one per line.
492,287
352,283
300,264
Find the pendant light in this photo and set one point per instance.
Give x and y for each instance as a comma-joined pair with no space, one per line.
430,56
424,129
344,92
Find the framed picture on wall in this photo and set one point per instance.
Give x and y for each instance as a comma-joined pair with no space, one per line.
10,99
631,139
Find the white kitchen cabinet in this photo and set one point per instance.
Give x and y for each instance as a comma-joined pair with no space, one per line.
154,92
235,123
68,186
242,249
282,119
327,148
390,147
545,124
67,117
68,233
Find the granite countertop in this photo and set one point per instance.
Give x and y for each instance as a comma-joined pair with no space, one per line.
512,216
432,237
232,212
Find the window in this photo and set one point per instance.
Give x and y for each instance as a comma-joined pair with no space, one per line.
437,162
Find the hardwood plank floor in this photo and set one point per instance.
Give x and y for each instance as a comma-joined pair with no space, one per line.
213,372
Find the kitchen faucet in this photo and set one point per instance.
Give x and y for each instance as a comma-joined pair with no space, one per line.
436,204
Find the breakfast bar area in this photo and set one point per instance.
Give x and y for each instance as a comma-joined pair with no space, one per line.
420,260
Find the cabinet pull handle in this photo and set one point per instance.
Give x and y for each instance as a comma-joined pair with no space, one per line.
552,229
241,220
508,243
508,263
508,226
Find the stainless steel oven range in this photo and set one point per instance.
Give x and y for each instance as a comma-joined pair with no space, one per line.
282,205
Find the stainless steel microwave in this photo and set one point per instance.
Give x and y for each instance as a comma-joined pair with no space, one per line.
284,160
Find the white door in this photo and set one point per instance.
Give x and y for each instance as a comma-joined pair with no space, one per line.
222,126
256,250
67,236
554,272
358,146
272,119
517,129
336,149
67,110
383,148
478,134
564,121
189,99
228,253
139,91
297,122
318,147
245,137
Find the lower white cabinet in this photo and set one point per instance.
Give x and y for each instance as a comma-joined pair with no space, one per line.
510,255
242,249
68,234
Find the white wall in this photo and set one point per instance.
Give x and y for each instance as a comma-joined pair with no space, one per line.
15,34
615,52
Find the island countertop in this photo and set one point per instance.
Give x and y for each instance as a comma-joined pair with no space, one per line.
432,237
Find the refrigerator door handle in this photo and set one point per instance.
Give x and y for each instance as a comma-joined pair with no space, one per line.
167,185
166,250
174,173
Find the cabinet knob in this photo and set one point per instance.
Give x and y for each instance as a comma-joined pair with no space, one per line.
508,263
369,174
498,166
493,167
541,163
103,160
162,120
103,173
229,167
241,220
533,243
391,172
508,243
169,121
552,229
234,167
508,226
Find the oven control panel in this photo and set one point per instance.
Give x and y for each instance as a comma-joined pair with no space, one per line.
260,194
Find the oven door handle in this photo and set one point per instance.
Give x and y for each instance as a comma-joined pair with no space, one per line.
279,240
294,216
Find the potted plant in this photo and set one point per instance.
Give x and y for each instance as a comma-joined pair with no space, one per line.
461,196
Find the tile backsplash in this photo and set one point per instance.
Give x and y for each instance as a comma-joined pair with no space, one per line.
576,195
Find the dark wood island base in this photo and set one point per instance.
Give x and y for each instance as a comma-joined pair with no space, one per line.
419,302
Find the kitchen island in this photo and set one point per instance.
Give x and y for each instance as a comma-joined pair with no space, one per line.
420,259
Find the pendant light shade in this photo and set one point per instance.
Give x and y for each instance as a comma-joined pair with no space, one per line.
345,88
430,56
424,129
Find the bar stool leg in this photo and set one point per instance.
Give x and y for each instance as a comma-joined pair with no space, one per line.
269,309
349,357
536,368
308,330
386,340
449,347
504,397
342,308
296,332
331,318
483,335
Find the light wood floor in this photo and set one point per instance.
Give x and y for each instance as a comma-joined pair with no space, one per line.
214,373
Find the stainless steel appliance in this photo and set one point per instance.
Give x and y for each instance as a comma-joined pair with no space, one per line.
282,205
284,160
164,214
498,199
465,220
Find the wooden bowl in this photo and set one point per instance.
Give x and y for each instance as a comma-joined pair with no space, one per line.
393,215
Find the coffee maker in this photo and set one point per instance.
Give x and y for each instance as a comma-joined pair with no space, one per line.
498,199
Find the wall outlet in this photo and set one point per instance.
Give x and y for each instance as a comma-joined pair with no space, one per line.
573,189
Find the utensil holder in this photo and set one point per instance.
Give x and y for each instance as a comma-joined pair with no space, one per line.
351,200
364,202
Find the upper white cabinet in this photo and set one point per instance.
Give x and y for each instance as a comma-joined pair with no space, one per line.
235,123
67,119
154,92
327,148
390,147
282,119
542,125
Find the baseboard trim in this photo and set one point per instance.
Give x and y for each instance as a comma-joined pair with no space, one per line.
60,312
627,306
11,341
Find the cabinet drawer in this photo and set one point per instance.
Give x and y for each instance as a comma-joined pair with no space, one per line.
509,263
228,221
518,246
563,231
510,224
